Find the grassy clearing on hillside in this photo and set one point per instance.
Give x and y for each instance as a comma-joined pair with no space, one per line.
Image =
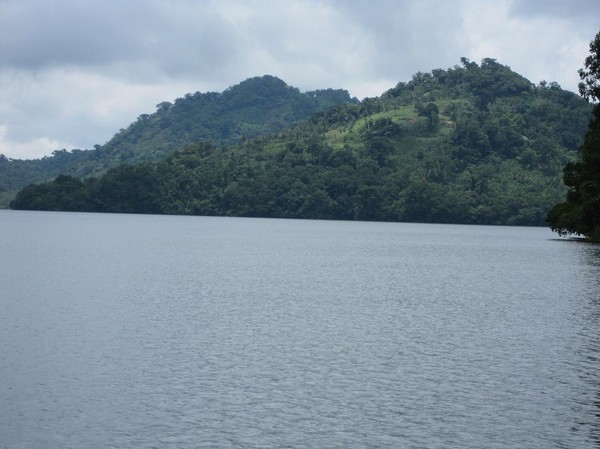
412,125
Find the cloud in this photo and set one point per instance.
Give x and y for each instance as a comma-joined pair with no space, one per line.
541,46
73,73
586,11
32,149
178,37
69,107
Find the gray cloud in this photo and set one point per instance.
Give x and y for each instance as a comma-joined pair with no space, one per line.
175,36
72,72
408,35
586,11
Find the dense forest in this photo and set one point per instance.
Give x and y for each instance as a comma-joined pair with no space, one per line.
257,106
475,143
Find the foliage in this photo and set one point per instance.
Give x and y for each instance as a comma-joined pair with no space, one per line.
257,106
589,87
64,193
580,213
470,144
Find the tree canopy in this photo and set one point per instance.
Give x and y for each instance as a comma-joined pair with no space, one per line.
254,107
580,213
589,87
476,143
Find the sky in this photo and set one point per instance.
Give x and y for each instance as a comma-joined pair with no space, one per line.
75,72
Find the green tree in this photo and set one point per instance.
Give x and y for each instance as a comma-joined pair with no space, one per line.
424,151
432,113
589,87
65,193
580,214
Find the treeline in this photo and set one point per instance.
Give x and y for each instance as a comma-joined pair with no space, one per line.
308,180
254,107
471,144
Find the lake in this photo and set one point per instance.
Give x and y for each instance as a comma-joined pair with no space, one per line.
140,331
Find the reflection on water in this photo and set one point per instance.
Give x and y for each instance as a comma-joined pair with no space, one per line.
143,331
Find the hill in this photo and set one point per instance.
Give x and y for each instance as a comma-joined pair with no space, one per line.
470,144
254,107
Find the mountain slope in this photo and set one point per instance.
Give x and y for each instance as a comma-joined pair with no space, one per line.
471,144
256,106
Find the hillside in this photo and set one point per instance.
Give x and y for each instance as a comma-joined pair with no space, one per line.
254,107
470,144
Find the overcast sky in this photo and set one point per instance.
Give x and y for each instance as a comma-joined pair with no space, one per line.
74,72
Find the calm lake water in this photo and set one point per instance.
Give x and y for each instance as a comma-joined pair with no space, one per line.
131,331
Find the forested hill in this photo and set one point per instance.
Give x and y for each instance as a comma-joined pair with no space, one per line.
476,143
257,106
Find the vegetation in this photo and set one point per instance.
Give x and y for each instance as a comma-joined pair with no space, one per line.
257,106
580,213
476,143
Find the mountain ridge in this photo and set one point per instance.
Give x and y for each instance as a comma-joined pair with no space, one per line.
255,106
470,144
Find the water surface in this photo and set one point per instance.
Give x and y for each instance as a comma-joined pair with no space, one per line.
133,331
